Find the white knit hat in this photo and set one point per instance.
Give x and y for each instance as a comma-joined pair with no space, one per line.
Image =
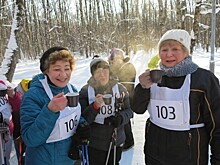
179,35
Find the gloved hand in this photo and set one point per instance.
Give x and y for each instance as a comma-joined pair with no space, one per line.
115,121
83,130
74,149
119,102
80,137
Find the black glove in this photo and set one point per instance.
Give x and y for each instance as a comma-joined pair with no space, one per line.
83,130
115,121
74,150
119,104
80,137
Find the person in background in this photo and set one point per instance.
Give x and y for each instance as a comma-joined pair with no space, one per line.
184,108
125,72
9,106
22,87
104,118
154,62
47,123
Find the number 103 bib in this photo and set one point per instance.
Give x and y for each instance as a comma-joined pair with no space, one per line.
169,108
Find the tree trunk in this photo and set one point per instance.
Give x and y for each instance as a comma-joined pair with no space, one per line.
196,25
12,51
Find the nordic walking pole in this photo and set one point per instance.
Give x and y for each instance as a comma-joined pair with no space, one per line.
1,140
85,156
109,150
115,130
20,161
1,151
118,106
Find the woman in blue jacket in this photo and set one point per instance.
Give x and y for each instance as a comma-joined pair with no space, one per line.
47,123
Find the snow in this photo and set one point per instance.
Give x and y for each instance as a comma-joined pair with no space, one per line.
12,45
134,156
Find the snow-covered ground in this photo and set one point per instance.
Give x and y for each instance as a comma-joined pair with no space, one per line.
134,156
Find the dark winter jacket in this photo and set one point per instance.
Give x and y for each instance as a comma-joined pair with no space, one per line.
167,147
100,133
126,76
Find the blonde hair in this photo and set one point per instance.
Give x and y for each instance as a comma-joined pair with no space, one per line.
167,41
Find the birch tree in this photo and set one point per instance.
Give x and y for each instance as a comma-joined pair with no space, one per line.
12,51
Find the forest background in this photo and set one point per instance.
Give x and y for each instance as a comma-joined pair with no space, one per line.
89,27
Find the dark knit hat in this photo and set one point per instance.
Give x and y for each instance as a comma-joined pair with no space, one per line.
46,55
98,63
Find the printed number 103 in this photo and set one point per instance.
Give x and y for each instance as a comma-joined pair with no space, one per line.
166,112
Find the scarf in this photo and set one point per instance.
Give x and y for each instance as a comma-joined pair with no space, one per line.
102,89
187,66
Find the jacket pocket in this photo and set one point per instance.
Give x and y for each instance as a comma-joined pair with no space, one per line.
147,128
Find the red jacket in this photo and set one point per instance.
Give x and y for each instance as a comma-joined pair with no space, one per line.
15,109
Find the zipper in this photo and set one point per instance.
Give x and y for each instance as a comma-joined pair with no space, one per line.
189,144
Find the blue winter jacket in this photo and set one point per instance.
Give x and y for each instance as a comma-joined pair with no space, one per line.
37,122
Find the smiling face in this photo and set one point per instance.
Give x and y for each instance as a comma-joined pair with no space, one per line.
59,73
58,66
172,52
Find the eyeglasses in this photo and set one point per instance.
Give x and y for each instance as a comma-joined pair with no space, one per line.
100,71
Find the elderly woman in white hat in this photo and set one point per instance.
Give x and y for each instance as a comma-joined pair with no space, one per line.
184,107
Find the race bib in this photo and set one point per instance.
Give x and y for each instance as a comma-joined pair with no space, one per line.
68,125
167,112
5,107
105,111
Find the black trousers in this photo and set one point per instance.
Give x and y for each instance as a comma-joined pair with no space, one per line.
98,157
128,133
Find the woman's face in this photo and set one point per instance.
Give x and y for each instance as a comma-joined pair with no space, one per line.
102,76
59,73
172,53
